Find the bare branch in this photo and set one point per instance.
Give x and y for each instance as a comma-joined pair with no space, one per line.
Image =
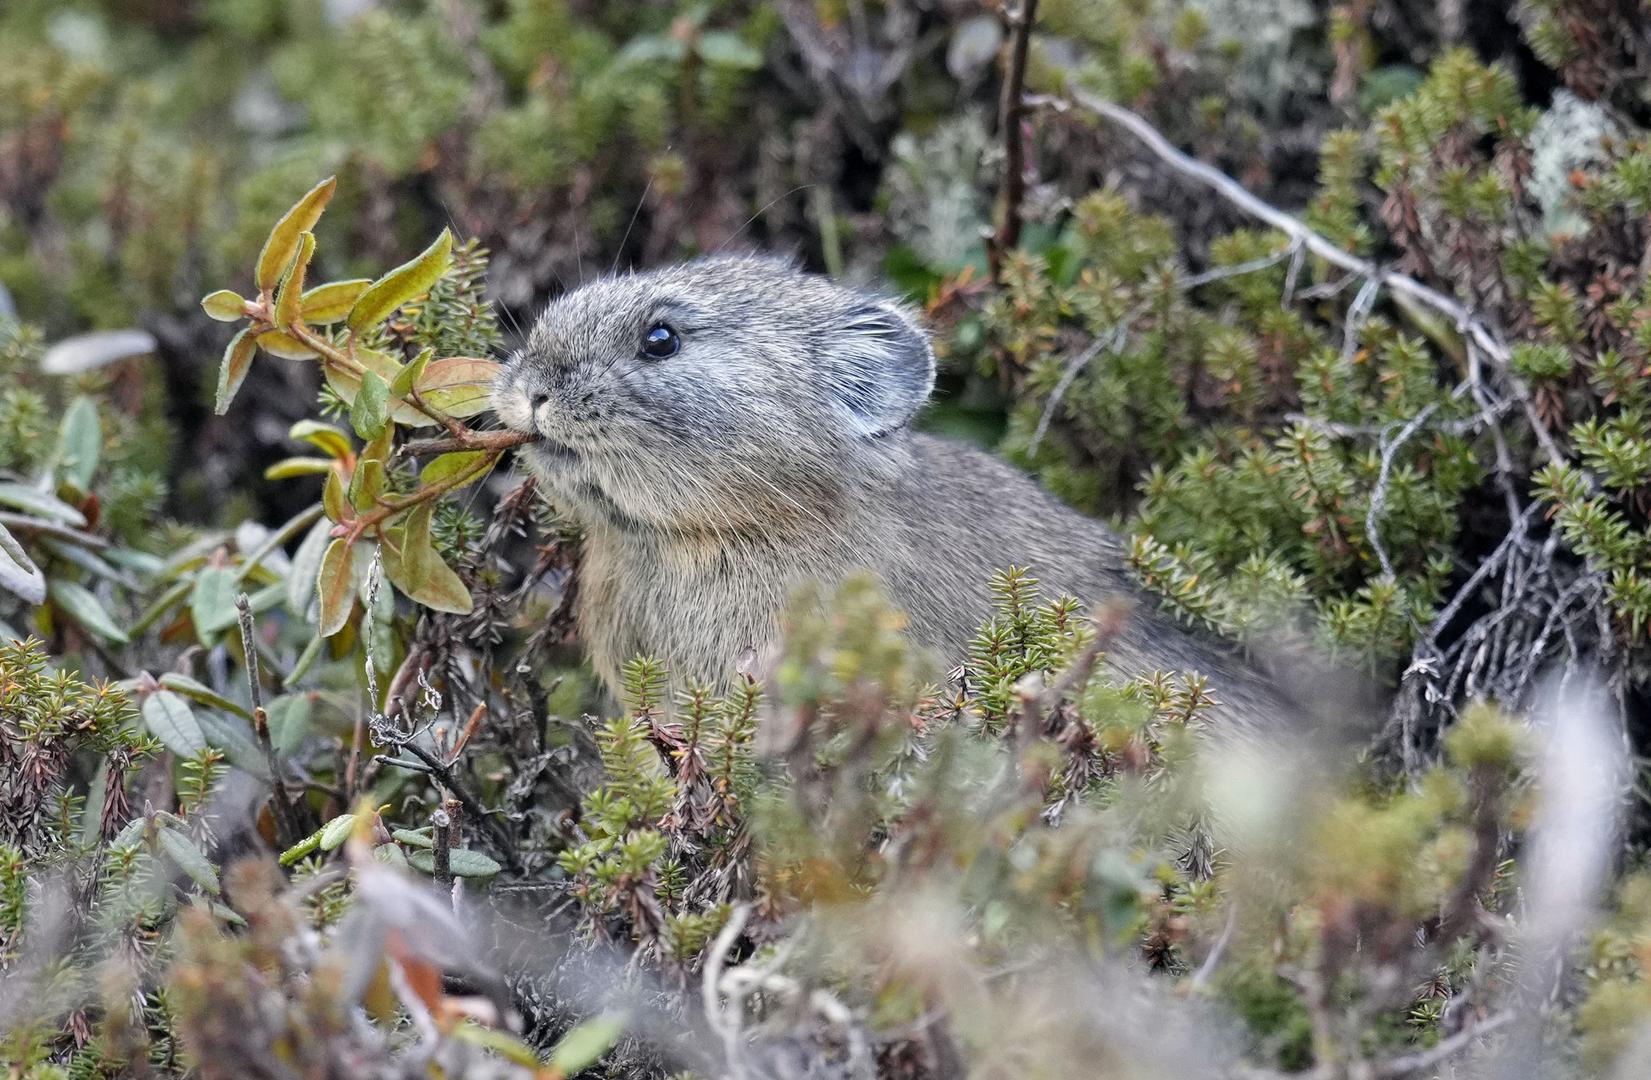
1114,339
1378,496
725,1025
479,440
1111,341
1475,329
287,826
1411,1064
1011,114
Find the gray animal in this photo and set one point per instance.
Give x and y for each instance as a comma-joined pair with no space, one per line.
730,428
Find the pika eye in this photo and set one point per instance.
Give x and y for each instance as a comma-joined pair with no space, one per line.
660,342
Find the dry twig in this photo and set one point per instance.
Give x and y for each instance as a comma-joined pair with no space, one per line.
287,826
1011,114
1473,328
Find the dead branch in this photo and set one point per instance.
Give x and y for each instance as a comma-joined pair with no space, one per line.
1378,497
1011,116
287,826
1114,338
1475,329
1411,1064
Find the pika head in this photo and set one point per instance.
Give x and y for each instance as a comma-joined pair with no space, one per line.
713,396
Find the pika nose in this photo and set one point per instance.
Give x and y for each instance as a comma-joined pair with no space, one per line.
537,400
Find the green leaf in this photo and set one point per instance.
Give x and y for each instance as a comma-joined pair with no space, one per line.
283,240
442,590
189,859
130,833
80,442
406,282
87,352
502,1043
347,384
391,554
585,1044
723,48
174,595
471,864
410,375
289,721
306,568
367,483
449,465
170,719
323,437
142,561
18,574
459,386
305,661
652,49
202,693
267,598
289,296
371,409
232,372
192,555
284,345
335,586
392,855
225,305
289,468
462,861
418,554
414,837
302,848
78,556
331,302
40,503
336,831
379,447
227,914
334,502
212,601
77,602
235,737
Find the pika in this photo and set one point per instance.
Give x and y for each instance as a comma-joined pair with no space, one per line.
730,428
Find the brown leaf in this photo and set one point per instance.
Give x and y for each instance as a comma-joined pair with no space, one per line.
336,587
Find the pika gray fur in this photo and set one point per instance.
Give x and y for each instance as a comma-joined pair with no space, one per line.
774,448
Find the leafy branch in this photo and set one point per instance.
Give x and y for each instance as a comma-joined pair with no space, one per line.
287,320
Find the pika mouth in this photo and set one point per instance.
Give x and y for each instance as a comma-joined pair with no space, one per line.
552,452
515,409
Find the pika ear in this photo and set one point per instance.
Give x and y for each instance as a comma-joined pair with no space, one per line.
879,367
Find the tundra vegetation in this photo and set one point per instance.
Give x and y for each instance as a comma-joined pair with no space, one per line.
1340,311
